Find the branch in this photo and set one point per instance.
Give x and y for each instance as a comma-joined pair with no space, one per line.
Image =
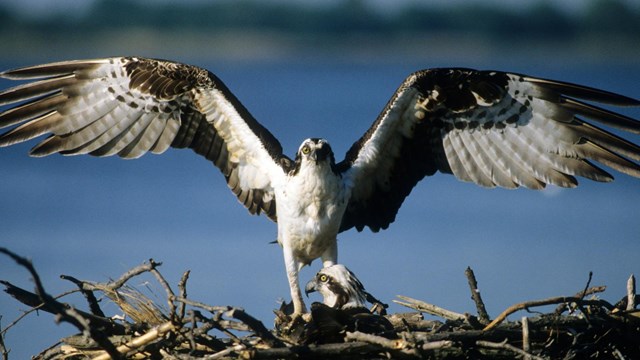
554,300
3,348
140,341
503,345
182,288
63,311
581,294
326,351
88,295
631,293
475,295
429,308
257,326
526,344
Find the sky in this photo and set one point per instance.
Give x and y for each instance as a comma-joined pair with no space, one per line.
96,218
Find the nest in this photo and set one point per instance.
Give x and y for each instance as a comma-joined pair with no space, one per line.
581,326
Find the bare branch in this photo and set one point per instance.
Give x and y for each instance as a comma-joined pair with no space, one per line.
631,293
429,308
483,316
504,345
526,344
550,301
140,341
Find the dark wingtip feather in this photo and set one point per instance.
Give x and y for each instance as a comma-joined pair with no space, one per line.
51,69
584,92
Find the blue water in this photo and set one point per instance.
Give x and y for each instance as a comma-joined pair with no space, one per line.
96,218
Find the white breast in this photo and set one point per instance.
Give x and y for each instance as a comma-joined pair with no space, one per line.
310,207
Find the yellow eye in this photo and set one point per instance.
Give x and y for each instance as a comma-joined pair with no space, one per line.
306,150
324,278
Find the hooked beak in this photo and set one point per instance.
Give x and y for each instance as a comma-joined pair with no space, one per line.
321,153
310,287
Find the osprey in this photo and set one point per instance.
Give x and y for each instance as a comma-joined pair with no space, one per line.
487,127
343,307
341,289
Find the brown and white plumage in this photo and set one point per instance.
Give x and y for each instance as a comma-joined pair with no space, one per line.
487,127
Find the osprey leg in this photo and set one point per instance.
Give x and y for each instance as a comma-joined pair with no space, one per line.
330,256
293,267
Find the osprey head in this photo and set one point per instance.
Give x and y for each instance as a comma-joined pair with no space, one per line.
315,150
339,287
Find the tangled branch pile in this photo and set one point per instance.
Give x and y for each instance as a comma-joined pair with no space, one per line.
581,326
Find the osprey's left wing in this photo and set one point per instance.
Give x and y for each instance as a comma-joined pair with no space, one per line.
487,127
128,106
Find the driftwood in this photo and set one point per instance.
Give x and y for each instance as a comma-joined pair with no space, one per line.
582,326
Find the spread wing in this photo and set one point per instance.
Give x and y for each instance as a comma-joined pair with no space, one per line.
129,106
487,127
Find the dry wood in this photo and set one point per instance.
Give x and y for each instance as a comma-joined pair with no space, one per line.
508,347
631,293
483,316
140,341
429,308
550,301
526,345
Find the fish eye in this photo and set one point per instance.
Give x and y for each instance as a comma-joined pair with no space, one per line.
324,278
306,150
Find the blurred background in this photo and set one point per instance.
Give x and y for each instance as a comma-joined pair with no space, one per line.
321,69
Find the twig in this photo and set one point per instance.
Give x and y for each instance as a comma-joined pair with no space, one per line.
88,295
63,311
586,286
505,346
33,308
131,273
483,316
182,289
167,288
631,293
581,294
225,352
209,308
436,345
554,300
429,308
325,351
256,325
526,345
397,344
5,352
140,341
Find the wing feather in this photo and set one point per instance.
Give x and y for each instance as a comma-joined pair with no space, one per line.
486,127
494,158
130,106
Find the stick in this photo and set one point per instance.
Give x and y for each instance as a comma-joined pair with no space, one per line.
182,289
436,345
88,295
475,295
3,348
257,326
325,351
505,346
225,352
376,340
429,308
581,294
63,311
526,345
148,337
631,293
554,300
